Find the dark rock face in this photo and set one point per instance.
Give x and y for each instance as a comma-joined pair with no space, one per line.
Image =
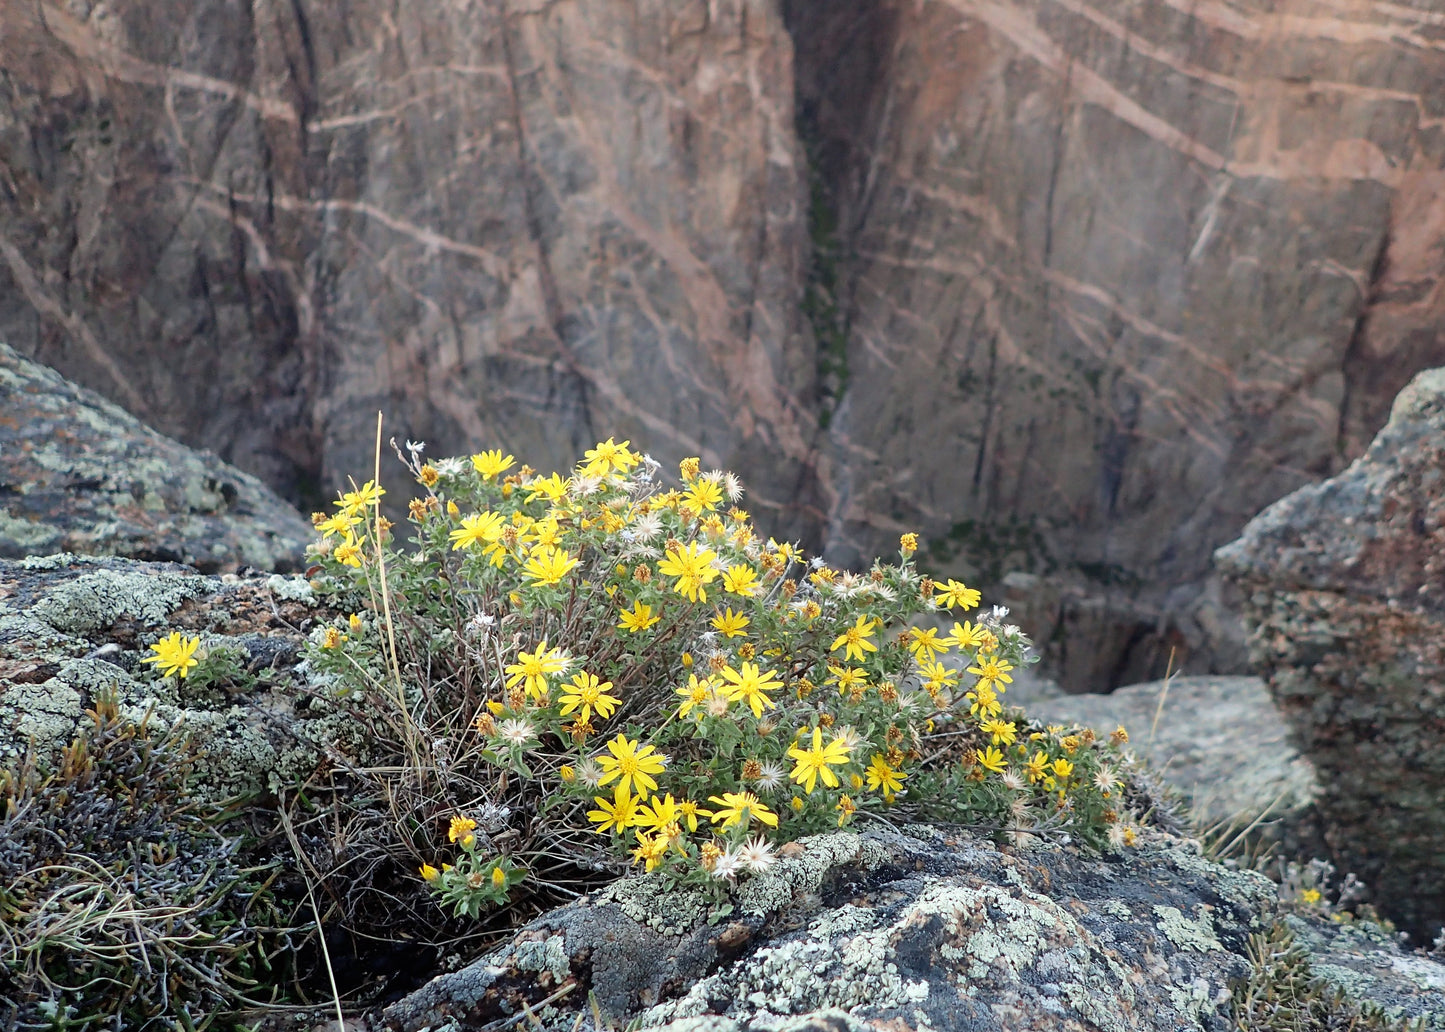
1095,281
78,474
1342,586
886,931
1116,275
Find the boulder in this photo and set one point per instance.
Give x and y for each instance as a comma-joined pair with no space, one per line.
79,474
1342,589
72,627
1218,740
912,929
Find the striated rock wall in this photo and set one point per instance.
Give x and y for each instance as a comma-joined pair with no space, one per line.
1115,274
1089,282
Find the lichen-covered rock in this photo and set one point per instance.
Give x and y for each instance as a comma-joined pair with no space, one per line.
1366,963
1219,740
886,929
72,627
1342,585
79,474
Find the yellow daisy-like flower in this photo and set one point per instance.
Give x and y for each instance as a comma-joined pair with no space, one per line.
1003,731
990,759
818,761
1037,767
741,808
847,678
650,850
695,694
349,551
631,764
750,685
662,811
883,778
339,523
855,640
607,457
174,655
429,873
618,815
966,636
693,568
639,618
908,543
461,830
846,809
481,528
353,502
690,812
1062,768
492,464
993,674
531,670
553,488
730,624
740,580
587,692
954,593
704,494
984,701
925,644
936,676
548,565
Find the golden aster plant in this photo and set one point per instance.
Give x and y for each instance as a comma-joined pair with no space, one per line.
616,668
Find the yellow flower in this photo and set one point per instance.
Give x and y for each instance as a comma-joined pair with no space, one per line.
650,849
846,808
567,773
908,543
548,565
1037,768
705,494
461,830
1311,896
1062,768
993,674
751,685
984,701
618,815
965,635
741,808
332,638
663,810
690,812
491,464
936,676
353,502
429,873
631,764
741,580
730,624
499,878
174,655
847,678
1003,731
608,456
482,528
1118,736
854,641
817,761
954,593
688,469
354,621
990,759
925,644
588,693
638,618
695,694
340,523
531,670
553,488
349,551
693,568
883,778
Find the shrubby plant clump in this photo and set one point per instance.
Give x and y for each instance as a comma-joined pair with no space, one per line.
621,670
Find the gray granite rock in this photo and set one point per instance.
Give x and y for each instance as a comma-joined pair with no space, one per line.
887,930
1342,587
1219,740
79,474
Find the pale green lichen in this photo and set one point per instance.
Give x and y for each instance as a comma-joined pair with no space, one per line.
27,534
548,955
94,601
1197,934
648,901
794,876
294,589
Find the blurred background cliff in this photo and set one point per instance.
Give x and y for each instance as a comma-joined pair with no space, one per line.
1072,287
